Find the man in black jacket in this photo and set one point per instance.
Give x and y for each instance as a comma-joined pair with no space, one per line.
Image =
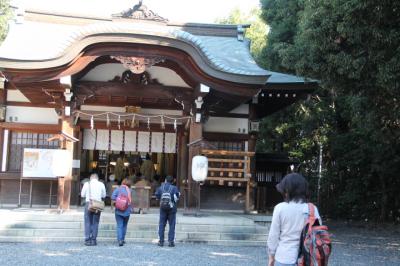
168,195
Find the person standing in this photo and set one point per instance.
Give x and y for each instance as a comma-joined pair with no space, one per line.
92,190
288,220
123,208
147,169
168,195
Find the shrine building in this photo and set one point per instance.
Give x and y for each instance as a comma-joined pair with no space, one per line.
131,83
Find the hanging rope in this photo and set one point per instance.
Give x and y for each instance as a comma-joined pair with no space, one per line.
109,115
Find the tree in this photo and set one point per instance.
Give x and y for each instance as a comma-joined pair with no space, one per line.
4,16
353,48
282,16
256,33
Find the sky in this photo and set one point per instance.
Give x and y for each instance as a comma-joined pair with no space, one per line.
204,11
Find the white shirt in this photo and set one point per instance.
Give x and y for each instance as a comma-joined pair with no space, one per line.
288,221
97,190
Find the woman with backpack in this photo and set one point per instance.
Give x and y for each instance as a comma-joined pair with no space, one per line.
288,220
122,196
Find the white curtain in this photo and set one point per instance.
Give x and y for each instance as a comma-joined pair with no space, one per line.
157,141
170,143
143,141
102,140
117,137
130,141
89,139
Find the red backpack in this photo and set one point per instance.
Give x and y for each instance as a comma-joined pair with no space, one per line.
315,242
122,201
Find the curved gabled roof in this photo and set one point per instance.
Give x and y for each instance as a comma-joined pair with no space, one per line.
53,45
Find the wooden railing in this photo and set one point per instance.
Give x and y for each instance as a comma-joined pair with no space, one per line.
229,168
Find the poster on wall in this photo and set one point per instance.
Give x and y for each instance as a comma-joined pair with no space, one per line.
46,163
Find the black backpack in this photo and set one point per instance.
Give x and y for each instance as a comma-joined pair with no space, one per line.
166,203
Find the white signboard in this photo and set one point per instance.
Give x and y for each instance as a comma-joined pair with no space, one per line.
46,163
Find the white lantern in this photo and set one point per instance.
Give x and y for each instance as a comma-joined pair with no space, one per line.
199,168
62,163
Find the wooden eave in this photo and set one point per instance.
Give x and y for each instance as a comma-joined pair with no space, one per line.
276,96
180,60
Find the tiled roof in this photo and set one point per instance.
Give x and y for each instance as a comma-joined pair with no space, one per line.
50,41
45,44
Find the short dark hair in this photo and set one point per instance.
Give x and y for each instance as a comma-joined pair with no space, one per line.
169,178
293,187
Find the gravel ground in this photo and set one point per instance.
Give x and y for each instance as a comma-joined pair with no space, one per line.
352,246
131,254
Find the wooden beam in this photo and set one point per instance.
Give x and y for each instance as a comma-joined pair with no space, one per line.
142,127
37,128
225,152
234,179
157,105
97,88
230,115
29,104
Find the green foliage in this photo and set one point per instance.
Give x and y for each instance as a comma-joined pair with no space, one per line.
4,16
282,16
256,33
353,48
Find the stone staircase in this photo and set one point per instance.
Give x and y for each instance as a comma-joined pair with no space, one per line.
212,228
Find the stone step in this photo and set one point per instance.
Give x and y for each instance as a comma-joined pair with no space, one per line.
109,217
5,239
133,225
26,225
200,236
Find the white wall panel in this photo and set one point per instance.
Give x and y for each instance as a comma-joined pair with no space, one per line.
241,109
227,125
107,72
16,96
35,115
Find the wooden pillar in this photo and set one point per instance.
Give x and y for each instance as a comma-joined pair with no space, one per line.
182,158
252,148
3,102
64,183
195,134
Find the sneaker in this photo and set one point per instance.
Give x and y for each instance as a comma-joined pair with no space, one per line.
171,244
88,242
93,242
120,243
160,243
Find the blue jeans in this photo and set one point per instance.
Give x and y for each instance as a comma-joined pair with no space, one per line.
165,216
122,224
91,221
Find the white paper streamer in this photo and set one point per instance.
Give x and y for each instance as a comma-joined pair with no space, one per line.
76,119
162,122
133,121
92,122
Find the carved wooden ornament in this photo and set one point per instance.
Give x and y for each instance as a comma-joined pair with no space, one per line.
138,65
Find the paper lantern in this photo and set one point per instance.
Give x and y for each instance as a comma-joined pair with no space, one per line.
199,168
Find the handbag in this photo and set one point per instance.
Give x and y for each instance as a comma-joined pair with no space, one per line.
95,205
